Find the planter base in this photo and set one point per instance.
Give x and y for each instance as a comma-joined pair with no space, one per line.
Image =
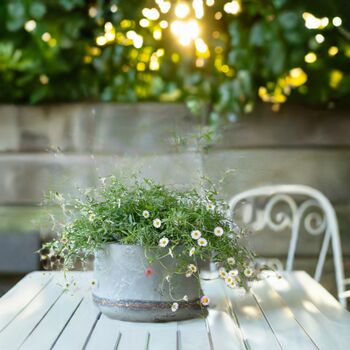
148,311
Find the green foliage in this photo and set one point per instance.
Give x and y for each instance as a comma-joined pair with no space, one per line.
151,215
49,52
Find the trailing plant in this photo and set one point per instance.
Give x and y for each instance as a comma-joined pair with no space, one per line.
191,226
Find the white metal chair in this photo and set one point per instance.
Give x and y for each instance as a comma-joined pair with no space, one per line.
314,214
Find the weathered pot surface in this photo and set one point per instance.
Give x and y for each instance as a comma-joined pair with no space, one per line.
128,288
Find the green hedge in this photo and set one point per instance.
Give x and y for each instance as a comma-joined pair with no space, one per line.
73,50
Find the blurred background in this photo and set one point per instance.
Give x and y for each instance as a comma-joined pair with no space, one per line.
248,93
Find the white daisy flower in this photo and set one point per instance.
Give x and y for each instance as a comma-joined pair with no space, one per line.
210,206
174,307
192,268
229,280
145,214
157,223
248,272
202,242
233,284
218,231
163,242
92,217
222,272
231,261
233,273
192,250
196,234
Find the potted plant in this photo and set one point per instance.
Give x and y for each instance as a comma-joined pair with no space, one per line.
148,241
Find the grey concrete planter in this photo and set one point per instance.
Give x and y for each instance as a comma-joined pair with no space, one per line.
125,291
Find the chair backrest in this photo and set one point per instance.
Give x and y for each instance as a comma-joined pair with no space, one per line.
314,214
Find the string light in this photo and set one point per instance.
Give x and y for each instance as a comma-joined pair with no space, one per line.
210,2
312,22
44,79
337,21
310,57
163,24
151,14
46,36
101,40
144,23
30,25
182,10
154,62
136,39
164,6
218,15
92,11
319,38
157,34
232,7
336,77
185,31
198,8
333,50
114,8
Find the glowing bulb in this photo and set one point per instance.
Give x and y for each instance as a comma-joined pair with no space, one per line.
312,22
210,2
108,26
310,57
137,39
44,79
337,21
319,38
157,34
200,62
232,7
92,11
46,36
201,46
163,24
151,14
114,8
218,15
144,23
182,10
198,8
333,50
154,63
110,36
101,40
164,6
30,25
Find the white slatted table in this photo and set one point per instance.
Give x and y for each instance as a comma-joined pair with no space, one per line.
293,312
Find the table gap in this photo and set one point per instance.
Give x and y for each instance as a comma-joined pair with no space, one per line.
64,327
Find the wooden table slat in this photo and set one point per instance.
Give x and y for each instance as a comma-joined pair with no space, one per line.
252,322
224,331
30,317
193,335
317,324
105,335
287,330
293,312
77,330
17,298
